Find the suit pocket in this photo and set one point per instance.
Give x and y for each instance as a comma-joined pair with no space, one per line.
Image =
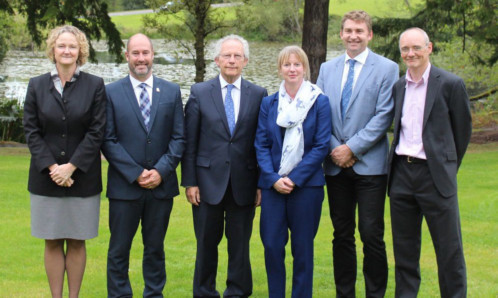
451,156
202,161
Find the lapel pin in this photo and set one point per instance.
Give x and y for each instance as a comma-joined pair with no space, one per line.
157,90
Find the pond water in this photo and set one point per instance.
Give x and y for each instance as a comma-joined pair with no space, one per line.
170,64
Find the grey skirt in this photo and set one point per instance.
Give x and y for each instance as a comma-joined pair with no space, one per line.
65,217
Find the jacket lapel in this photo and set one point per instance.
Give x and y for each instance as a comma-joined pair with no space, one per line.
272,121
337,82
156,95
57,96
245,94
398,103
132,100
366,70
432,89
217,98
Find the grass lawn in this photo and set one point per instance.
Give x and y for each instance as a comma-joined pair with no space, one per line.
22,272
376,8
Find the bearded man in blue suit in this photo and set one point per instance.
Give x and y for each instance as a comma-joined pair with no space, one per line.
358,84
143,143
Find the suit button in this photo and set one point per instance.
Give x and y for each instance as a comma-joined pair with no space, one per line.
63,153
65,101
149,141
63,135
63,118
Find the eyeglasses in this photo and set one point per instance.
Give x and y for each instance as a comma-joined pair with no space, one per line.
235,56
413,49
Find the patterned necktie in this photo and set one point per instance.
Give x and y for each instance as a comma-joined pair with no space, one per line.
229,109
145,104
348,88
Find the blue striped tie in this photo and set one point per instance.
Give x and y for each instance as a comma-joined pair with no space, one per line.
229,109
145,104
348,88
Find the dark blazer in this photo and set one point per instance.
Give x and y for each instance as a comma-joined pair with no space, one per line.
130,148
61,129
269,139
213,157
447,127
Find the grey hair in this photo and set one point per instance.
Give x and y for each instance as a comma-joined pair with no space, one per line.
426,37
219,43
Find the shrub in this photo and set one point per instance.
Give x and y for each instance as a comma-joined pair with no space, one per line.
11,114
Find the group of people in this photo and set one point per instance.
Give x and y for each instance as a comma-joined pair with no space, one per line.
240,148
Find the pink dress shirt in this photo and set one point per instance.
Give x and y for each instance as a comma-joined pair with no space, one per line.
412,117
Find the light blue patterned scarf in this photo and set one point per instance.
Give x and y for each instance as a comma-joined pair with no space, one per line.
291,115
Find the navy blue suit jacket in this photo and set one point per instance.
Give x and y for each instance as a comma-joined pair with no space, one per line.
214,157
130,148
269,139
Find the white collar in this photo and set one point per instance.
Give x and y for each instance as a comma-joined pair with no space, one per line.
224,83
362,57
135,82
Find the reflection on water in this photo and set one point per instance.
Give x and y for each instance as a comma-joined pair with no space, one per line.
169,64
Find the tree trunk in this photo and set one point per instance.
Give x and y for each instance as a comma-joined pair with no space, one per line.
315,25
200,14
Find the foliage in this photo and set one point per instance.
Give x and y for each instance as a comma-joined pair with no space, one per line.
478,78
196,20
269,20
22,273
485,113
444,20
11,114
4,30
90,16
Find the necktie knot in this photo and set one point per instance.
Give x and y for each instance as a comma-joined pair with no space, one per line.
351,63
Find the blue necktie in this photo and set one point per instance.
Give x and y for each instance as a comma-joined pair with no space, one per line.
348,88
145,104
229,109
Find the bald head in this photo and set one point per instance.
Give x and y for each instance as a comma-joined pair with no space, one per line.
140,55
141,37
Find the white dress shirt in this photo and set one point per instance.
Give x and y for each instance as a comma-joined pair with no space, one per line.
235,94
360,61
136,87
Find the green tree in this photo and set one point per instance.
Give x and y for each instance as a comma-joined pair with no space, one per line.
185,21
90,16
445,20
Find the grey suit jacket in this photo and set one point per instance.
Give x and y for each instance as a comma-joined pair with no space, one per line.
446,130
213,157
368,115
130,148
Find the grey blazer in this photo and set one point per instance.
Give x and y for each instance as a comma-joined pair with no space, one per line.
447,127
368,115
